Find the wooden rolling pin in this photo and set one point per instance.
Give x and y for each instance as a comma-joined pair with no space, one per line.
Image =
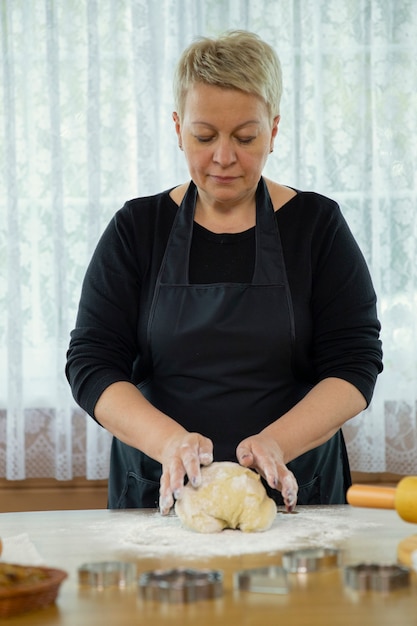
402,498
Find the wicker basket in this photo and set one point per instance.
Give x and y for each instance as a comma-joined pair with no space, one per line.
24,597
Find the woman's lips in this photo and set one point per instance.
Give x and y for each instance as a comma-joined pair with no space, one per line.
224,180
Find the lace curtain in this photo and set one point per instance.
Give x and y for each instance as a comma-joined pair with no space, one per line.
86,124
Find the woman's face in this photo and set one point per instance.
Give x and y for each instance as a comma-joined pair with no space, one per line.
226,135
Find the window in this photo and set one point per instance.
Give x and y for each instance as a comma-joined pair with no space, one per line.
86,124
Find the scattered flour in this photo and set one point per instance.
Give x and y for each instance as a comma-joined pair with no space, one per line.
20,549
155,535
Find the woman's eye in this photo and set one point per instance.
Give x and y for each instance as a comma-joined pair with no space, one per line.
203,139
245,140
208,138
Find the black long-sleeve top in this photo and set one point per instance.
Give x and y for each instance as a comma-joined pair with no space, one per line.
336,325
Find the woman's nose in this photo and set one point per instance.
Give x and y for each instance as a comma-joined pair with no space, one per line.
224,153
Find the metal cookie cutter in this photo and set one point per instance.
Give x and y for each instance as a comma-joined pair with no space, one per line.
181,585
262,580
107,574
310,559
374,577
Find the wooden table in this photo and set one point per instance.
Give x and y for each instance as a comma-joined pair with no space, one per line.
64,539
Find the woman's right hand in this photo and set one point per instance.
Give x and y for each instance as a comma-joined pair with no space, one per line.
182,456
263,454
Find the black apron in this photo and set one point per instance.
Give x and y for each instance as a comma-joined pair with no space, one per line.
222,365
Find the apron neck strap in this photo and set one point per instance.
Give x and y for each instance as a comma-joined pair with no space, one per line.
269,263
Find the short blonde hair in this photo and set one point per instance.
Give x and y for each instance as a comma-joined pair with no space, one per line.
237,59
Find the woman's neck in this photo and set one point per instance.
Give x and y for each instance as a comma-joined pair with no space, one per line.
225,219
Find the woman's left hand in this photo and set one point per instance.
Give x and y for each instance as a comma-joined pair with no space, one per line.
264,455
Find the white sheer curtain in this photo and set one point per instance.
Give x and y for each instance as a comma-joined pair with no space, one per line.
86,124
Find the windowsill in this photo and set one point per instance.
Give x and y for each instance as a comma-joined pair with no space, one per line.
49,494
381,478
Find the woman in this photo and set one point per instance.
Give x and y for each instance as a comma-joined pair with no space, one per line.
229,318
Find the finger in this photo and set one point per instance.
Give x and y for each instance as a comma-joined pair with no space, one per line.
244,456
279,477
166,499
289,491
166,502
205,453
194,453
191,462
206,458
271,475
205,450
171,484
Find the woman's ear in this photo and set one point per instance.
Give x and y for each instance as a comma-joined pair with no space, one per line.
177,123
274,131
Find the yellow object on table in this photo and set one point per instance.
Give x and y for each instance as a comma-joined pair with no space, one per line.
407,551
402,498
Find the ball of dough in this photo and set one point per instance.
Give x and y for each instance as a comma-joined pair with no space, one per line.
230,496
